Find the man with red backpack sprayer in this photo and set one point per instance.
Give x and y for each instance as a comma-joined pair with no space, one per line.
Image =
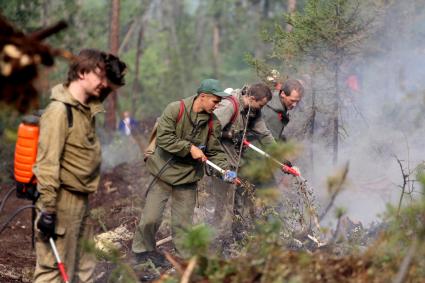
186,136
241,118
67,167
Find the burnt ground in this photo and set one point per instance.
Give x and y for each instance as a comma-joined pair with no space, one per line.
117,202
17,258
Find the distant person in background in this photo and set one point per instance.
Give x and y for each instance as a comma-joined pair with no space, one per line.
127,124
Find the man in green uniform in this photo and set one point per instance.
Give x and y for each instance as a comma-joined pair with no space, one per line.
187,135
68,165
238,114
276,111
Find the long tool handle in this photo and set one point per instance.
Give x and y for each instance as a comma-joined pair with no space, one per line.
216,167
251,146
221,170
61,266
284,167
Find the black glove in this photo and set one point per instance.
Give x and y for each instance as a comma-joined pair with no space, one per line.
238,139
46,224
287,163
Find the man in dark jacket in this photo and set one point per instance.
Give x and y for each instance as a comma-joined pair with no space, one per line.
276,113
187,135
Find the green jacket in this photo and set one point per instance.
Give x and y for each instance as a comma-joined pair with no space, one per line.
67,157
256,128
276,116
173,143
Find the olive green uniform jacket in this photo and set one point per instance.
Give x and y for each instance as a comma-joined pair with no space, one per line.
173,141
67,157
177,171
276,117
256,129
67,170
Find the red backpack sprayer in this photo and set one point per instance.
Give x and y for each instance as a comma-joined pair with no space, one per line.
26,182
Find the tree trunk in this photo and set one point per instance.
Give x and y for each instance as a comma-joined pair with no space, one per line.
216,45
266,8
45,13
335,113
292,6
136,88
337,65
111,101
172,12
312,123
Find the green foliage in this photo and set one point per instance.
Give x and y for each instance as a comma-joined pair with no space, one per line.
176,48
420,173
340,211
260,168
336,182
327,30
197,240
404,228
25,14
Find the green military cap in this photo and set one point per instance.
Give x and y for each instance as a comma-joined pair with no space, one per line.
212,86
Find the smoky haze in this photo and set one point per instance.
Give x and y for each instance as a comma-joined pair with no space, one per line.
381,122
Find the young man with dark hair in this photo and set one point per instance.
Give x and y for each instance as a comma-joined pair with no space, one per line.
187,135
276,112
68,164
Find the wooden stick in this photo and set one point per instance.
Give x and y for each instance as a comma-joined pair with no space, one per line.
163,241
174,262
188,272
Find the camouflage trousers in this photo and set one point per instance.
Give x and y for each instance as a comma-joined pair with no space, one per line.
183,201
72,229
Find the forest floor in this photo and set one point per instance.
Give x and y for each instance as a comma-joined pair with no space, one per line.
117,203
116,206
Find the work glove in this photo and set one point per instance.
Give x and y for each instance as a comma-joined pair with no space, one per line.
46,224
238,138
287,163
229,176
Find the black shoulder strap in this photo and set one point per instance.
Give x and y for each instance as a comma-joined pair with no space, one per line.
274,109
69,115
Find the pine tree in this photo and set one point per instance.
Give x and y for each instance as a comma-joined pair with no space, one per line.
328,34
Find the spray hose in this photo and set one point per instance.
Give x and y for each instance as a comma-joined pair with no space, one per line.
3,201
16,212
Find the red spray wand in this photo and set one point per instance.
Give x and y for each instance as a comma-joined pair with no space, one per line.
61,266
